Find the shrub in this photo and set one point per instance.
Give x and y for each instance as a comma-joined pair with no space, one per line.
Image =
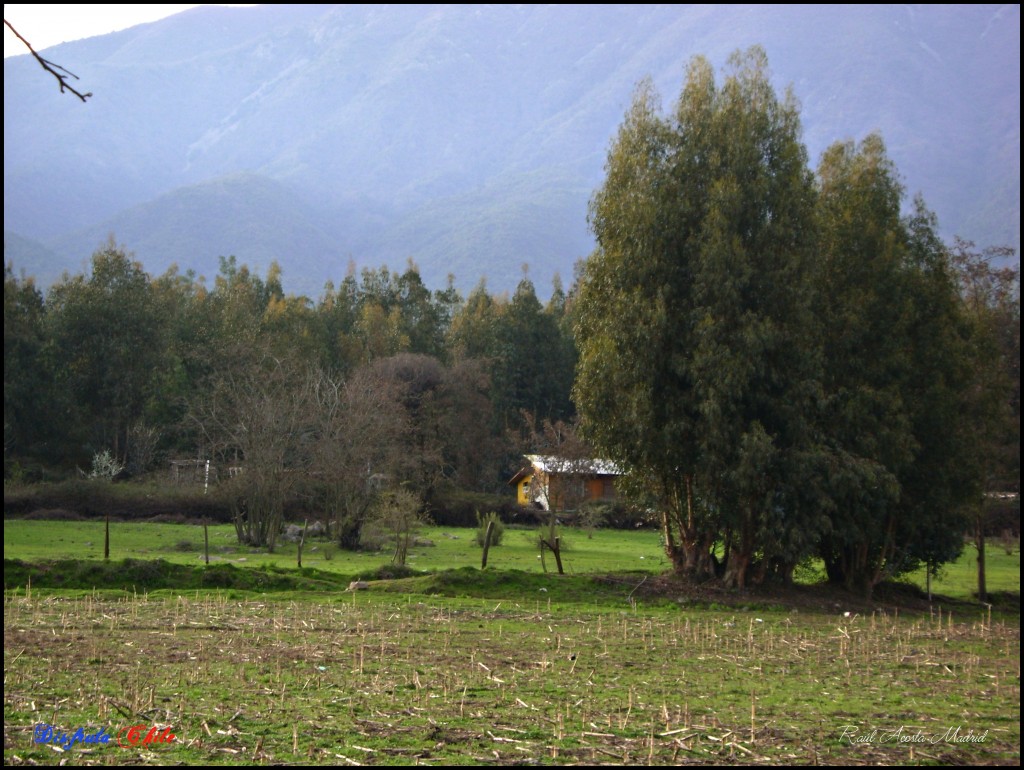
388,572
452,507
482,523
396,518
614,514
105,466
593,515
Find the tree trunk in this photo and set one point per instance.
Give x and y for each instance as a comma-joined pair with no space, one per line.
834,571
740,554
698,562
736,569
859,575
487,543
691,555
979,543
557,550
672,550
348,535
554,542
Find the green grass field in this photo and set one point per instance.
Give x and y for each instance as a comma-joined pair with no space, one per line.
600,551
453,665
440,548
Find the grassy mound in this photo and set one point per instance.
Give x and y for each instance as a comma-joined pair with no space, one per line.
153,574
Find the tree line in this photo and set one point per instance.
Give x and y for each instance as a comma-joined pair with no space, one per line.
381,382
787,363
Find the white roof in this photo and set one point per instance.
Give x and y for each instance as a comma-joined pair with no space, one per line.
555,464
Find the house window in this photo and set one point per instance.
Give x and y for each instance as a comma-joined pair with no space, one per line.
608,489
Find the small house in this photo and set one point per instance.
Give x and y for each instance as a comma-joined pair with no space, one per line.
563,484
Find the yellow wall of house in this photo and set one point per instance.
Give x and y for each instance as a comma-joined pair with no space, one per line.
523,490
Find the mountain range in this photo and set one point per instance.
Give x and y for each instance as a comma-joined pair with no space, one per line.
465,138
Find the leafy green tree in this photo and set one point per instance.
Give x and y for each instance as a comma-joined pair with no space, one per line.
380,331
473,333
897,357
29,425
754,364
425,318
634,387
385,314
991,297
293,326
108,345
562,351
696,372
446,304
209,330
991,303
191,327
945,473
530,368
338,311
240,299
862,293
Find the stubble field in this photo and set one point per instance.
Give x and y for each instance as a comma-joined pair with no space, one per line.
375,677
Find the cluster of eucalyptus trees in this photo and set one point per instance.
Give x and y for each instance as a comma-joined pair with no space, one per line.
788,363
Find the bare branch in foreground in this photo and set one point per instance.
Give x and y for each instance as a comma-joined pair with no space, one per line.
51,67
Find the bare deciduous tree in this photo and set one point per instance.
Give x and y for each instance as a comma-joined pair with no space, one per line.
568,462
358,447
258,416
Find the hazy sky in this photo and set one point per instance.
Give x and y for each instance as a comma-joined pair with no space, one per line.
47,25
